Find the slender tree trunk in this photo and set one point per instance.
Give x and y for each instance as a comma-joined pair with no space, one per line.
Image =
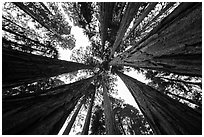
185,82
13,22
175,46
22,36
28,48
88,116
186,99
149,24
40,114
32,14
67,110
128,16
44,21
20,68
106,10
164,114
109,117
150,7
120,124
71,122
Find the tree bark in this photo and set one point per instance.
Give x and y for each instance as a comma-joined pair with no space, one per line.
182,81
20,68
71,122
128,16
41,114
150,7
35,16
164,114
186,99
175,46
149,24
106,9
88,116
109,117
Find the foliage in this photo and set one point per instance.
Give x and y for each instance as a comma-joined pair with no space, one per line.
19,35
39,28
35,88
128,119
185,86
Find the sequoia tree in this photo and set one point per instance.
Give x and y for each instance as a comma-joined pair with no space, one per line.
20,67
43,113
161,39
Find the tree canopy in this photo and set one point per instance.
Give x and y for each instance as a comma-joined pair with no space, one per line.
160,40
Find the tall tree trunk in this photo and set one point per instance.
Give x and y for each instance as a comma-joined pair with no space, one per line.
164,114
106,10
186,99
23,36
109,117
71,122
20,68
35,16
40,114
182,81
88,116
128,16
120,124
150,23
150,7
42,16
175,46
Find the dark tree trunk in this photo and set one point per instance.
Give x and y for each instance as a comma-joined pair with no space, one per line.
164,114
182,81
109,117
186,99
120,124
150,7
23,36
128,16
34,15
42,114
71,122
174,46
88,116
20,68
106,11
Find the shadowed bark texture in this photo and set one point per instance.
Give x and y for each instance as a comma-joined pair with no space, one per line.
71,122
164,114
85,129
108,111
20,67
42,114
175,45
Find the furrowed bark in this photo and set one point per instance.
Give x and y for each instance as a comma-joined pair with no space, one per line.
106,9
20,68
175,47
71,122
109,117
144,14
40,114
169,5
128,16
88,116
164,114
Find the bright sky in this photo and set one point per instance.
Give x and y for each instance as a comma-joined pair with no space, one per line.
83,41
